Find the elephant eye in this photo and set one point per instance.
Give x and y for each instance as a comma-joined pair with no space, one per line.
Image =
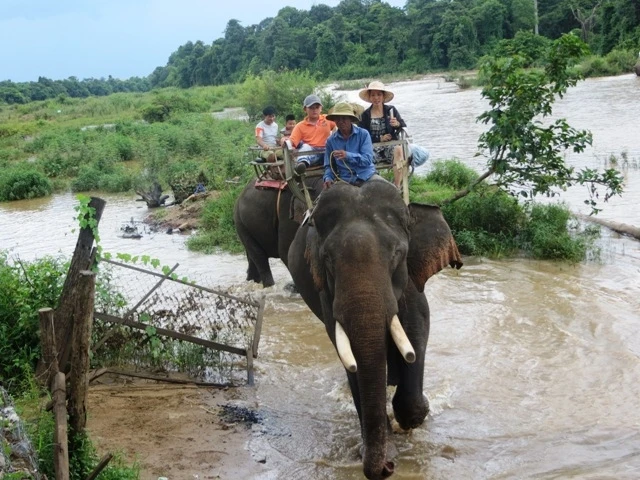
399,255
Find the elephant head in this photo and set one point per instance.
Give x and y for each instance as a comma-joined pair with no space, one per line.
361,265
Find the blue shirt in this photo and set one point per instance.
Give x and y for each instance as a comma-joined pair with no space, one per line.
359,161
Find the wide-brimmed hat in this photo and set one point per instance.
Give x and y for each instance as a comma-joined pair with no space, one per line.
376,85
342,109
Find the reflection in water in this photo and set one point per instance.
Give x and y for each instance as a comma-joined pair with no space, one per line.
533,368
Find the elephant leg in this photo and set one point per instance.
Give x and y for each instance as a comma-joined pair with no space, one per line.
252,272
410,406
264,270
259,269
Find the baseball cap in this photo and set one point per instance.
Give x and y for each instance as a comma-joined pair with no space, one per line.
310,100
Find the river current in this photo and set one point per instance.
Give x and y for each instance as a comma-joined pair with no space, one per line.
533,368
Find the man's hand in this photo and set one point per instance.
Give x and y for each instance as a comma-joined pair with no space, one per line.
327,184
340,154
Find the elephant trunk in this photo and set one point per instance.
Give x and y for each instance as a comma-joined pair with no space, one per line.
369,331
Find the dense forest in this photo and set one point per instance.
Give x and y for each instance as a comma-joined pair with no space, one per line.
363,38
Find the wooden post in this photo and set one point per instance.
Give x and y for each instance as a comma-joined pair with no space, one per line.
61,444
81,260
250,374
49,361
79,365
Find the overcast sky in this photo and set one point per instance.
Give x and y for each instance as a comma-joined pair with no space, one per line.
123,38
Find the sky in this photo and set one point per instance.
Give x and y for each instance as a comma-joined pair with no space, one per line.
58,39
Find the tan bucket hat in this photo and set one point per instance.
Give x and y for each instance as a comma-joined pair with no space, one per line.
342,109
376,85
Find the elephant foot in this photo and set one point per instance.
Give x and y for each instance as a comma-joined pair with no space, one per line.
267,281
410,414
291,287
392,450
252,273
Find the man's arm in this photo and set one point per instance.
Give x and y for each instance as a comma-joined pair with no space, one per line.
296,136
329,176
364,154
259,139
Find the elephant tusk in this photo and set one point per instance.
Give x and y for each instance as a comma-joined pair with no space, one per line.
401,340
343,346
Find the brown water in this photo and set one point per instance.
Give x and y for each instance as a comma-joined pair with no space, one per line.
533,368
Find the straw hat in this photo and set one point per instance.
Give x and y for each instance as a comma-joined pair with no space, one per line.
342,109
376,85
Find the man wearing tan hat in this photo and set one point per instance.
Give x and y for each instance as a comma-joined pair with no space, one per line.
348,153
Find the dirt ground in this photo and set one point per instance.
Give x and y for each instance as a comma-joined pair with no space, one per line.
175,431
179,218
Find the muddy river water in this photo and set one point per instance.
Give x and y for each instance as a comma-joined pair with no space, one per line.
533,368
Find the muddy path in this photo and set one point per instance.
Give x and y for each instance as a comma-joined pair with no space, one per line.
176,431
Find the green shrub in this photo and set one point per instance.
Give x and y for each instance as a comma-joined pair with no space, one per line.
485,222
546,235
23,182
218,230
452,173
283,90
594,66
25,287
621,61
123,146
526,44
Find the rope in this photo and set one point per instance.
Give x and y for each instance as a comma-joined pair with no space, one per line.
331,158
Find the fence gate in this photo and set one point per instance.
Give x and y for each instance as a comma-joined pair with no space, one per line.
166,323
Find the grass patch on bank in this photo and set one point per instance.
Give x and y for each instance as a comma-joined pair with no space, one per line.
492,223
218,230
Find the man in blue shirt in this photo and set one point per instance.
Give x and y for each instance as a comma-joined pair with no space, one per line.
349,152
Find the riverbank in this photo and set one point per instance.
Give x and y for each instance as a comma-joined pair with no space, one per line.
176,431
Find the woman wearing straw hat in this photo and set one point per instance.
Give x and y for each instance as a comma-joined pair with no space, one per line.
348,152
384,123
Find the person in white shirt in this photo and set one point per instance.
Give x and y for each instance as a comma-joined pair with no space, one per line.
267,136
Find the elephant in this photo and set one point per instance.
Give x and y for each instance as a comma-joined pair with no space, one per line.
361,263
264,222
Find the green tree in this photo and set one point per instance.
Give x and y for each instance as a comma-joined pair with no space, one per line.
524,153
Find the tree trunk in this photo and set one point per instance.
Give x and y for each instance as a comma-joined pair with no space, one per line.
78,376
83,257
48,367
154,197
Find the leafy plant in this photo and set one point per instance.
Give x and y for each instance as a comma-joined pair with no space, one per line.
22,183
525,154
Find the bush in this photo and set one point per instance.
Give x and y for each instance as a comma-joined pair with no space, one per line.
24,288
23,183
485,222
452,173
545,235
285,91
526,44
218,229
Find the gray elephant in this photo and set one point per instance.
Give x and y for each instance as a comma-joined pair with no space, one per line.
361,264
264,222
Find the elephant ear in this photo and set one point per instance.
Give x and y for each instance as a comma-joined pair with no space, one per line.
312,256
431,245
